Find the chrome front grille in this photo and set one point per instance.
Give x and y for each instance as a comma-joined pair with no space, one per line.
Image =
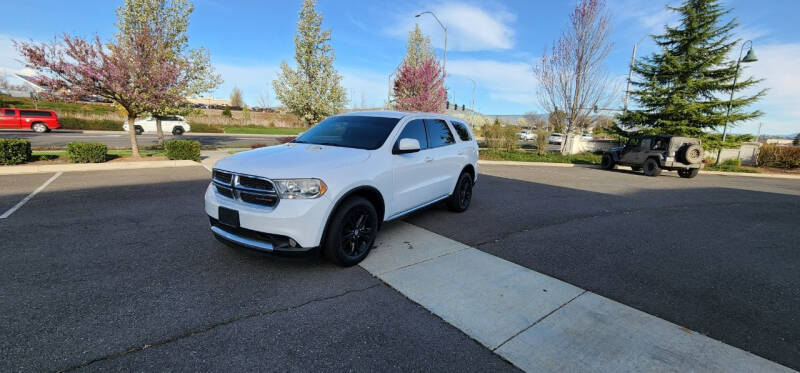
249,189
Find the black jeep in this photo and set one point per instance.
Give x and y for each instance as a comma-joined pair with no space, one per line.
656,153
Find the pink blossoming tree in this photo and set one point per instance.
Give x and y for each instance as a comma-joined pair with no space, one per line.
420,87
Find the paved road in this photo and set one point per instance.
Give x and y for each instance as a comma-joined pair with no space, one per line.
117,270
716,254
117,139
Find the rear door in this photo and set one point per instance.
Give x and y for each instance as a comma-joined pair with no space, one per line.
9,119
414,179
445,155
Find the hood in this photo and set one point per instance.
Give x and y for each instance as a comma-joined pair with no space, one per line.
292,160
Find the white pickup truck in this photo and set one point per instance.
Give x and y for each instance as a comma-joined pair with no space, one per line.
332,187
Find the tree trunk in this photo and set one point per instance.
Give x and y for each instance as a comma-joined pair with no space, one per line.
159,131
132,133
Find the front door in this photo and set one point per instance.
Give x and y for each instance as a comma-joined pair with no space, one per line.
9,119
414,178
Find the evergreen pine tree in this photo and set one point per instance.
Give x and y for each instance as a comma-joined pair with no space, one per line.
313,90
683,89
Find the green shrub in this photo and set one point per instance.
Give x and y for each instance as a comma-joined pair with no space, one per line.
14,151
90,124
227,113
542,138
501,137
87,152
778,156
183,149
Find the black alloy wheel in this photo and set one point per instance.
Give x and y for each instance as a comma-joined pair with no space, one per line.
351,232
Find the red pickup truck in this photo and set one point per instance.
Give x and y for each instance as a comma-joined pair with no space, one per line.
38,120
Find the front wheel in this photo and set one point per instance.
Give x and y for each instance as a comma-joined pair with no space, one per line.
139,130
607,162
651,168
352,232
177,131
462,195
688,173
40,128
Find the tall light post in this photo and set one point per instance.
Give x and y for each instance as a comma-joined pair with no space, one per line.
474,85
749,57
444,65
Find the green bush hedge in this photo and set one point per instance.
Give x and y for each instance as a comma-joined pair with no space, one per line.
183,149
87,152
14,151
779,156
90,124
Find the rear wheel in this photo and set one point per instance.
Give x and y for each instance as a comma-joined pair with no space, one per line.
688,173
139,130
352,232
651,167
608,162
462,195
40,128
177,131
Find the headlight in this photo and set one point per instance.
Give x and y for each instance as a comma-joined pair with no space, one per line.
300,188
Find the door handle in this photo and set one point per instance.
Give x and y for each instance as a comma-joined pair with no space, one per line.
428,159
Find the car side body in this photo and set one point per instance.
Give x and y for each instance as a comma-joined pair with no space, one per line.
398,177
556,138
173,124
28,119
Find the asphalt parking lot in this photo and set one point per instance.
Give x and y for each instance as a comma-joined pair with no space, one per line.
117,270
119,139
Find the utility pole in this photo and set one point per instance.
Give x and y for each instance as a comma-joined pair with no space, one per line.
630,76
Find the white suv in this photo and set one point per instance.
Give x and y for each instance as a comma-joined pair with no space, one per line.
332,187
173,124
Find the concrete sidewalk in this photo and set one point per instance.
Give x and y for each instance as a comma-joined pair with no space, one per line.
536,322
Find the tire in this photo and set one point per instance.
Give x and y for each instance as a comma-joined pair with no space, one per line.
688,173
177,130
462,194
692,154
138,129
636,168
40,128
651,167
607,162
351,232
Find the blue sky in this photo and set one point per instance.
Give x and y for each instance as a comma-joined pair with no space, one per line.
492,42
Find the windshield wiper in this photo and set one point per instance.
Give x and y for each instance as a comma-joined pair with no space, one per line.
329,144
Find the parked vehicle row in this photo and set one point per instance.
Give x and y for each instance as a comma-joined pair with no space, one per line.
333,187
39,121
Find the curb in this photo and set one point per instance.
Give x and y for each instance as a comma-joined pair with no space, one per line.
717,173
35,169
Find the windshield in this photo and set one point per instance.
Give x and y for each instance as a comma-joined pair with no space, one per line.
361,132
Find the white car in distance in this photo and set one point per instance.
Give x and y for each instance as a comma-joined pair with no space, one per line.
173,124
333,187
526,135
556,138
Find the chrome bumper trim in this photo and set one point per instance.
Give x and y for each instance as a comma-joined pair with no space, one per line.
246,242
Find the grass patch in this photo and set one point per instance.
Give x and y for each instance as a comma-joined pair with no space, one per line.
90,124
261,130
731,165
520,156
206,128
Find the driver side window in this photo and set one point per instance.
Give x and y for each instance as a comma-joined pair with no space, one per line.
414,129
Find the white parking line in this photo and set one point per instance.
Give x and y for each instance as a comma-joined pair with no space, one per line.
537,322
28,198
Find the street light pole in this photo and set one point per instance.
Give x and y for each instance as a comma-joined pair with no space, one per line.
474,85
750,57
444,65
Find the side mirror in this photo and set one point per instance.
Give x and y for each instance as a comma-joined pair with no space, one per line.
407,146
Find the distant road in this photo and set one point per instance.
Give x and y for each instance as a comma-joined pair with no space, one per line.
119,139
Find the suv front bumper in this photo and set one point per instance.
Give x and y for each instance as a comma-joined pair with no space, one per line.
302,220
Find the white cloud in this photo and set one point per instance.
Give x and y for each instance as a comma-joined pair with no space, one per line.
469,27
777,65
650,16
504,81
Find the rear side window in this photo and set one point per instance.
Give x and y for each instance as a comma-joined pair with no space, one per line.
9,113
34,113
414,130
438,133
461,129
